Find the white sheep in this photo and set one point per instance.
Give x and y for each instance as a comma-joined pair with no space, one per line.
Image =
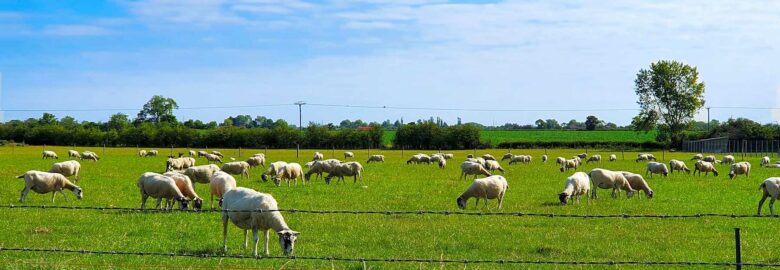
677,165
472,168
217,153
491,187
318,156
570,164
607,179
710,159
576,185
704,166
273,170
220,183
74,154
544,158
322,166
376,158
770,188
289,172
213,158
507,156
243,206
45,182
739,168
449,156
346,169
436,158
492,165
89,155
765,161
191,153
560,160
50,154
348,155
442,163
638,183
179,163
728,159
67,168
184,184
201,174
642,157
612,157
697,157
582,156
256,161
151,153
772,166
202,153
142,153
237,168
419,158
657,167
160,187
520,159
594,158
488,157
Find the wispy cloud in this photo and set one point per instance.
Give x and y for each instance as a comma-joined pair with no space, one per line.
75,30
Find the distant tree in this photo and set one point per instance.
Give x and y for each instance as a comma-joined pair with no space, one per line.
47,119
670,93
118,121
552,124
592,122
69,122
540,124
157,110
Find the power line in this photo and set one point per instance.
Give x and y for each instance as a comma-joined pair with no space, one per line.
465,109
137,109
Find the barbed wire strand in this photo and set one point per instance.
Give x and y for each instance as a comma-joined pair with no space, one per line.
383,260
389,213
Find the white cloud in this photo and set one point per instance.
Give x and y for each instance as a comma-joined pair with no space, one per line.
75,30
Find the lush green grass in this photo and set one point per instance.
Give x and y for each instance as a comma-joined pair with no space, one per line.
392,185
499,136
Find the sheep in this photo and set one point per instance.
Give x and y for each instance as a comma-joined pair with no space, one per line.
577,160
697,157
739,168
576,185
442,163
213,158
560,160
160,187
594,158
569,164
376,158
45,182
656,167
237,168
74,154
419,158
141,153
469,156
179,163
472,168
520,159
704,166
492,165
291,171
220,183
322,166
642,157
348,155
184,184
544,158
488,157
191,153
679,166
201,174
772,166
771,188
582,156
491,187
651,157
50,154
272,170
606,179
612,158
352,168
638,183
318,156
89,155
480,160
764,161
151,153
507,156
710,159
202,153
241,205
728,159
67,168
435,158
449,156
256,161
217,153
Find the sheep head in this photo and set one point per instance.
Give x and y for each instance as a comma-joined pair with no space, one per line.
183,202
287,241
78,192
461,202
197,203
564,198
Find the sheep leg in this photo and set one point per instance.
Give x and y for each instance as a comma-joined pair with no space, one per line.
501,200
476,205
212,201
63,195
266,243
52,196
256,239
224,230
246,239
614,193
143,200
159,201
772,206
24,193
761,202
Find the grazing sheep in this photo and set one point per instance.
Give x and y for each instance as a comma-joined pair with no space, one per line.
704,166
435,158
560,160
67,168
576,185
739,168
771,188
607,179
151,153
179,163
472,168
419,158
448,156
772,166
710,159
142,153
442,163
376,158
201,174
488,157
656,167
274,169
638,183
322,166
544,158
289,172
256,161
492,165
184,184
220,183
348,155
697,157
577,160
217,153
679,166
45,182
651,157
74,154
202,153
309,164
213,158
89,156
569,164
480,160
318,156
160,187
728,159
491,187
642,157
240,206
612,158
582,156
520,159
507,156
50,154
237,168
191,153
347,169
469,156
764,161
594,158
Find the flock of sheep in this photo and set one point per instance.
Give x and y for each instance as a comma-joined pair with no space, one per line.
240,205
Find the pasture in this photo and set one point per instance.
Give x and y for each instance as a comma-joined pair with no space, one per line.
396,186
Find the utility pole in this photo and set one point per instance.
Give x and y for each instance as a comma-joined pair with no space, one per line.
708,119
300,117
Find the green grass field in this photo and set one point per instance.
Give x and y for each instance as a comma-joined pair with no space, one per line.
392,185
499,136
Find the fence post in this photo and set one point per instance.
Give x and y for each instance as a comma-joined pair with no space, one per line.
297,150
545,150
104,149
586,149
738,248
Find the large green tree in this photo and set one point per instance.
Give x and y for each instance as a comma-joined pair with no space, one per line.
158,109
670,93
591,122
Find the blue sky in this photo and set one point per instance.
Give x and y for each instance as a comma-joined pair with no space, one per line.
548,55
